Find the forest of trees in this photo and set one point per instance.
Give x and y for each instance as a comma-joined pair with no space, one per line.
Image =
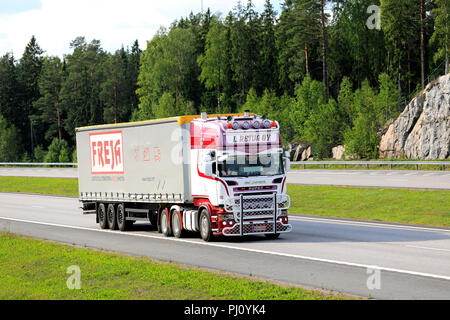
329,79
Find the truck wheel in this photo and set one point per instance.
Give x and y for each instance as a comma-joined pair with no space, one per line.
205,225
122,224
272,236
112,217
102,218
165,228
176,225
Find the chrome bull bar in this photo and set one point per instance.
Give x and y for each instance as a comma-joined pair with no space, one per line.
267,208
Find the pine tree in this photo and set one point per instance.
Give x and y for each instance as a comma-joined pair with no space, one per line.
115,88
441,36
400,24
269,54
297,35
28,72
9,88
48,107
213,62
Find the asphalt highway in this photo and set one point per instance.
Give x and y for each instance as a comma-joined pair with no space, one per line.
379,260
372,178
360,178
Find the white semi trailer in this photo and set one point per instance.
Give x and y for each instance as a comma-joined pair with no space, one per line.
213,174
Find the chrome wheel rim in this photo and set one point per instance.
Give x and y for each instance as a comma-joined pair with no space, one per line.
204,225
176,223
164,223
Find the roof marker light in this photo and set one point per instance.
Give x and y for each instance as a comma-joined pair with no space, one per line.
235,125
256,124
245,125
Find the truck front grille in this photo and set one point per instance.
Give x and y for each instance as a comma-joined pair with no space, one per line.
257,206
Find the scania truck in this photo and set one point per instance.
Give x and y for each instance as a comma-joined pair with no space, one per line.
219,175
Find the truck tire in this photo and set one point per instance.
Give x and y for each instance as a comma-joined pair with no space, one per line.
102,218
165,226
122,223
205,226
112,217
177,230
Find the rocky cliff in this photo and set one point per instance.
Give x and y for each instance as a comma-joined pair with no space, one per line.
422,131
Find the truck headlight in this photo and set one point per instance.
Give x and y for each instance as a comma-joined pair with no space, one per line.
283,213
284,201
225,217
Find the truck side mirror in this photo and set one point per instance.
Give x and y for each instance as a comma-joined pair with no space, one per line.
208,165
208,168
287,161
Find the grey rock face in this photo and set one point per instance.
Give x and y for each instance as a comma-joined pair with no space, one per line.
338,152
422,131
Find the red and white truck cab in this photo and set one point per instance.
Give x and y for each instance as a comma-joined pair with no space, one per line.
238,170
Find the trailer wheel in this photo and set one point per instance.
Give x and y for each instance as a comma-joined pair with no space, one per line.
165,227
122,223
176,225
102,218
205,225
112,217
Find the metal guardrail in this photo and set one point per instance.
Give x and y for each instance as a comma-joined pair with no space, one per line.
369,163
39,164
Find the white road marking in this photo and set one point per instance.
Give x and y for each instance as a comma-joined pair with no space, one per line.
351,264
369,224
427,248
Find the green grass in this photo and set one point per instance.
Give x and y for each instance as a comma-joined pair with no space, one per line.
53,186
425,207
425,167
36,269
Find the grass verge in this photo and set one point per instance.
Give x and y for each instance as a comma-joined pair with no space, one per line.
53,186
424,207
36,269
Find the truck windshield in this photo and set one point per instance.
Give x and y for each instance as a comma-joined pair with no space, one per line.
251,165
